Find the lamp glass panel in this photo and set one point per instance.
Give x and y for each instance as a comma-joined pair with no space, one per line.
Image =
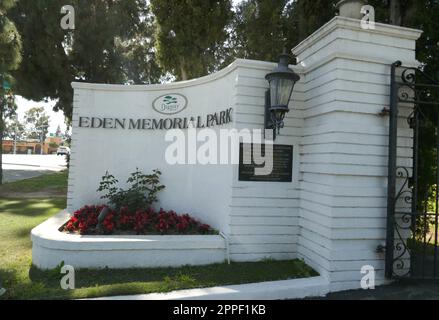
281,90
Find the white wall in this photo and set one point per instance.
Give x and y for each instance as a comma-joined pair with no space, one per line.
264,215
260,218
202,191
333,214
344,145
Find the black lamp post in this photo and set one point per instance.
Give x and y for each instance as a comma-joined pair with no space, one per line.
281,80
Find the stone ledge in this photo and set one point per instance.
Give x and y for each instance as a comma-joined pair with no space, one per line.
50,247
238,63
274,290
355,25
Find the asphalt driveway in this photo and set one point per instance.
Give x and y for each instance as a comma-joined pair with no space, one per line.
407,290
20,167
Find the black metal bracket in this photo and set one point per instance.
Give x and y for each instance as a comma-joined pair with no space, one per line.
380,249
268,122
385,112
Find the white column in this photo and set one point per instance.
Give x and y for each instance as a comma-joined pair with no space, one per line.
344,145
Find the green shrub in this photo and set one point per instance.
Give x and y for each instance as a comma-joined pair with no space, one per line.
141,194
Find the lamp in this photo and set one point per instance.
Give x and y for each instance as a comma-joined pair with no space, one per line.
281,84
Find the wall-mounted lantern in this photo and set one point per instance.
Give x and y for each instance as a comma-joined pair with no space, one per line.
281,80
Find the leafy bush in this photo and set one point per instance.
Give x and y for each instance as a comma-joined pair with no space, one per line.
53,145
141,194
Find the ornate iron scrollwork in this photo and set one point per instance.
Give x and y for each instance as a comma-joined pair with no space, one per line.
407,89
403,222
409,78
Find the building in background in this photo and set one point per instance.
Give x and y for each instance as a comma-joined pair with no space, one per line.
32,146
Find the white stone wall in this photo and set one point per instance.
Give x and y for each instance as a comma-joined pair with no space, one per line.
344,145
264,216
202,191
260,219
333,214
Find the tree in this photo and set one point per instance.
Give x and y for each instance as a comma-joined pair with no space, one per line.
37,121
93,52
67,137
260,29
10,42
424,16
264,28
396,12
139,59
14,129
420,14
190,34
10,58
53,145
312,15
7,110
45,71
58,131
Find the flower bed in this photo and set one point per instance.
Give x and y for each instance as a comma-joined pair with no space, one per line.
143,222
50,247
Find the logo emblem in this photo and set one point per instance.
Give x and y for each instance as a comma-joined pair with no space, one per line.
170,103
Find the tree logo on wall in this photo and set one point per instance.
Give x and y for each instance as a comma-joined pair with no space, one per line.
170,103
169,100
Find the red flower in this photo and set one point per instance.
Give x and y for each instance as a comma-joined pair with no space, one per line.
204,228
83,227
182,226
162,226
109,223
125,219
85,220
141,220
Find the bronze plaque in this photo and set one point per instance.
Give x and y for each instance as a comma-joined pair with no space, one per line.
282,164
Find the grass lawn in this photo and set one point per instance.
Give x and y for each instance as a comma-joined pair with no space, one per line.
22,281
55,183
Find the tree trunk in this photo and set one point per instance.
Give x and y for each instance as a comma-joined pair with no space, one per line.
395,12
183,72
1,140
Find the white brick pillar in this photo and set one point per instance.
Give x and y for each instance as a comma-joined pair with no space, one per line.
343,168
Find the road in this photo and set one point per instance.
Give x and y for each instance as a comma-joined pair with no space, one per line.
21,166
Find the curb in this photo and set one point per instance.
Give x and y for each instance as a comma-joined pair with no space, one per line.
275,290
